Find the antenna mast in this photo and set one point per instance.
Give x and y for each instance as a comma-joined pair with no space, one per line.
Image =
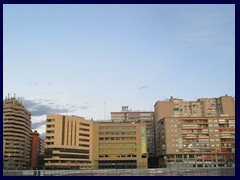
104,109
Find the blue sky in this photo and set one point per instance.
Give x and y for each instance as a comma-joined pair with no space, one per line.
73,58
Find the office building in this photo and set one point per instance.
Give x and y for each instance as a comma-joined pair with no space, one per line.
175,107
68,142
127,115
73,142
217,106
16,134
119,145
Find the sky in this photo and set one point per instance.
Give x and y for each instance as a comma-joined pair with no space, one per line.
90,60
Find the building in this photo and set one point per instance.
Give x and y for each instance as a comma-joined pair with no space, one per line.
197,141
175,107
217,106
127,115
41,154
119,145
16,134
37,152
68,142
177,110
73,142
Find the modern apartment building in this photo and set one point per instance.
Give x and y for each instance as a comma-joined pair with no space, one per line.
68,142
16,134
186,112
127,115
175,107
217,106
197,141
73,142
119,145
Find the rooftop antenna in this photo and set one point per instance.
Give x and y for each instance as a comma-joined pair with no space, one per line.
104,109
8,95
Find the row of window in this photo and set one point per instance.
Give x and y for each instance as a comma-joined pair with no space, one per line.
68,150
116,138
117,161
196,150
84,124
118,133
52,137
67,161
51,126
196,141
116,155
117,150
198,131
83,129
86,135
84,140
194,136
50,120
116,144
83,145
116,127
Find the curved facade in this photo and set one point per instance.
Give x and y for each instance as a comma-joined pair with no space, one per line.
16,134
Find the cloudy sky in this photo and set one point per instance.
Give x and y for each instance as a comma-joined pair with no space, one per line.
89,60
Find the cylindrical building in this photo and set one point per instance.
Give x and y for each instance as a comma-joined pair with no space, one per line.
16,134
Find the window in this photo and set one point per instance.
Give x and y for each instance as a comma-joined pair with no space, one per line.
191,156
83,145
83,129
84,124
51,126
86,135
84,140
50,120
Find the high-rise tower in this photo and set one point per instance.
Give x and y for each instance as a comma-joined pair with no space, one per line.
16,134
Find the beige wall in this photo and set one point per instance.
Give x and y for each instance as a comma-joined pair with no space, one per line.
16,134
65,134
163,109
118,149
143,116
228,105
63,137
215,136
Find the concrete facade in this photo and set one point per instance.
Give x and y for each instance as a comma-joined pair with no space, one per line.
68,142
144,116
119,145
73,142
197,141
175,116
16,134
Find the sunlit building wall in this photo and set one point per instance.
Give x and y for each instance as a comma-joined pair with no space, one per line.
16,134
190,114
68,142
119,145
197,141
126,115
